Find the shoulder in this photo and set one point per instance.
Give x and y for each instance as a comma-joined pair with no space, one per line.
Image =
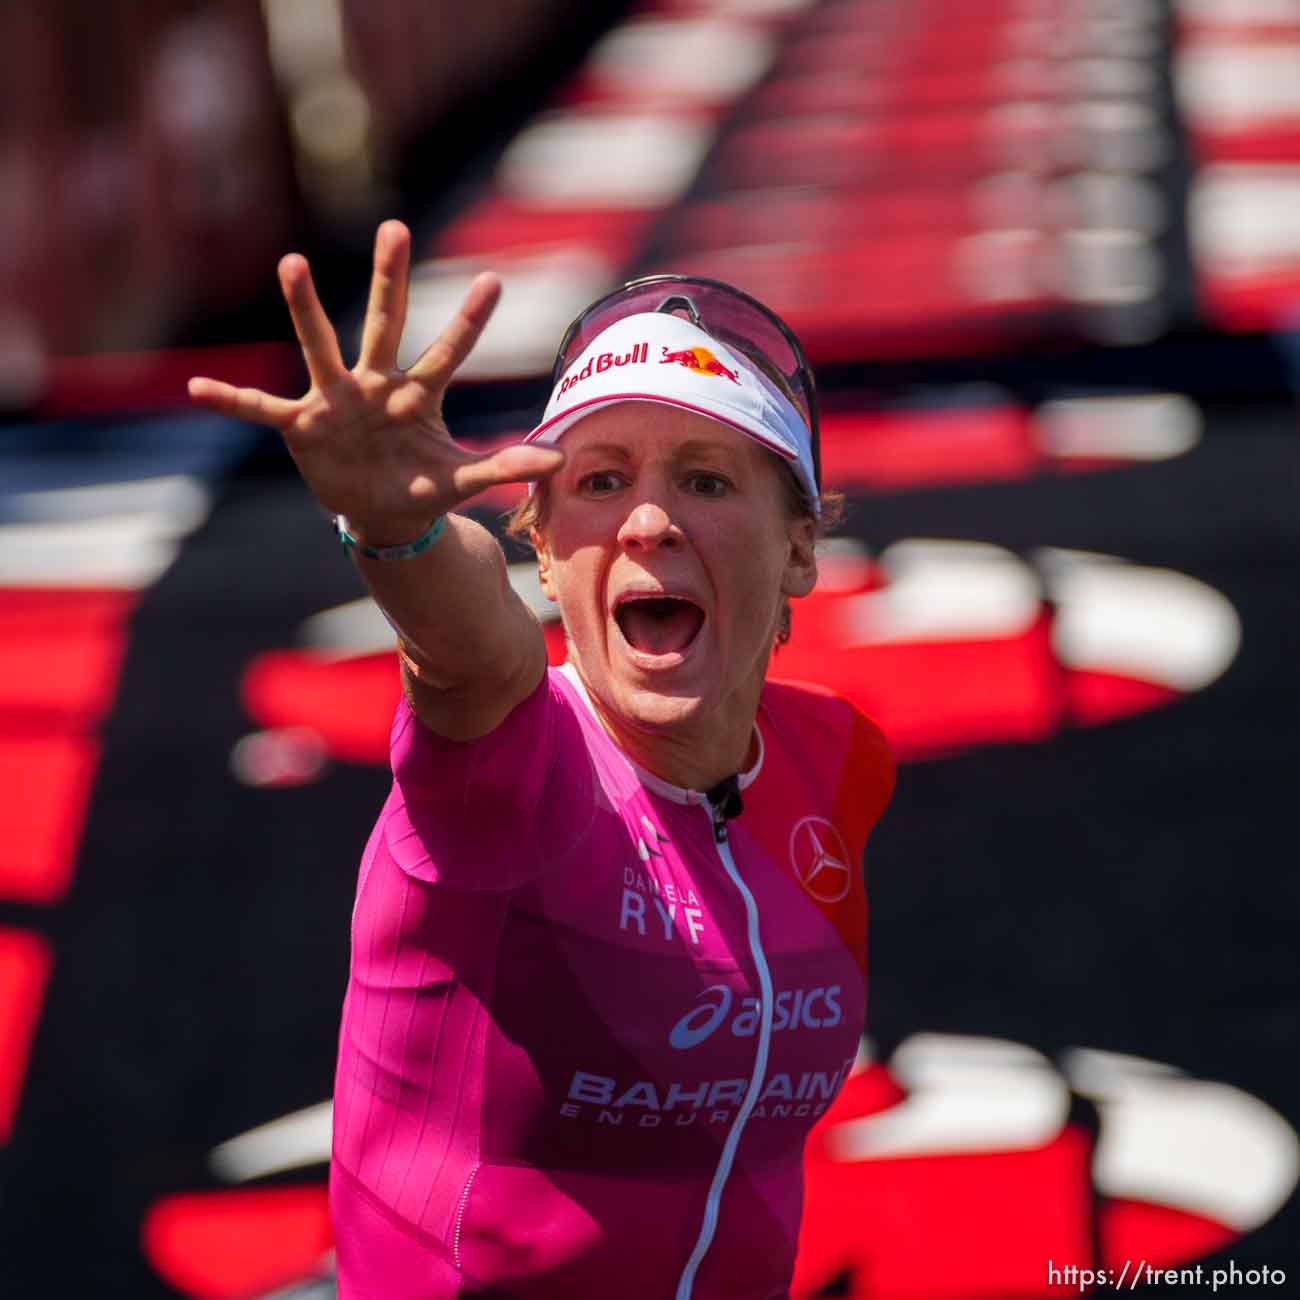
494,812
834,735
523,742
805,706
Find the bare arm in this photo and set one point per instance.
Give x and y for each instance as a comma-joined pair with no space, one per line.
371,444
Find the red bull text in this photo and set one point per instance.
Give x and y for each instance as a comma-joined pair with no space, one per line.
606,361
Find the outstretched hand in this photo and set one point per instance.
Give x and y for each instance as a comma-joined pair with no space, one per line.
370,442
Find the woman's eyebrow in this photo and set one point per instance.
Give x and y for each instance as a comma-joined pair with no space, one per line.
604,450
705,447
694,447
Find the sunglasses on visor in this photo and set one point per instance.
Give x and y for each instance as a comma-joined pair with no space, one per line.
721,311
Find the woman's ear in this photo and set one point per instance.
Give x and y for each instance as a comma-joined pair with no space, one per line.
801,563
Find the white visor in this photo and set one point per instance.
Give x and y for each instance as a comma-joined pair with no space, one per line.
659,357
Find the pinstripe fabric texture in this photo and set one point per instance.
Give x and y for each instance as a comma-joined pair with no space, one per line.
551,1018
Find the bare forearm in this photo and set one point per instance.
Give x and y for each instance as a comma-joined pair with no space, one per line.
471,649
452,605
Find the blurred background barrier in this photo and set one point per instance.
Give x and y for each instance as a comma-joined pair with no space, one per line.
1044,254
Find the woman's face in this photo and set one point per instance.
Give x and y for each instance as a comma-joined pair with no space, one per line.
670,549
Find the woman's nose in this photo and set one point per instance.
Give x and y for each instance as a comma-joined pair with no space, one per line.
648,527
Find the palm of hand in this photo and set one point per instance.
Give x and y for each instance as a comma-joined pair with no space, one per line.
370,442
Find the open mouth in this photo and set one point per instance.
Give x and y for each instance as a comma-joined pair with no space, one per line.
658,625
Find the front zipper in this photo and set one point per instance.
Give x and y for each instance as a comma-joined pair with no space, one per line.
718,813
460,1215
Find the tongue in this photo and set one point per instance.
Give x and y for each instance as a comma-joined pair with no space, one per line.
659,627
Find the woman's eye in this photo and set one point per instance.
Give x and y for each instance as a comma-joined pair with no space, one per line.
708,485
600,481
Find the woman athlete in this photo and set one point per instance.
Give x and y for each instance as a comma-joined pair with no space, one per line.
608,945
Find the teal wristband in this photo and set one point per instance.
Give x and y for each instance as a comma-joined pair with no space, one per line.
402,551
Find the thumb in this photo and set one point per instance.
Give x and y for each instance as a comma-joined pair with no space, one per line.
519,463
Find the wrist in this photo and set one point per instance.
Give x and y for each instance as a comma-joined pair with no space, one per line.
383,543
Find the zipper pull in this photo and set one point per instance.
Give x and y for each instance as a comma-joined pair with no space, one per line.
725,802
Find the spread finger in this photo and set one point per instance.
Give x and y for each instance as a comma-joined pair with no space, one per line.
320,345
250,404
386,310
440,360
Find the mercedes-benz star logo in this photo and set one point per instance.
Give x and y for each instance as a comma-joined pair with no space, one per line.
820,860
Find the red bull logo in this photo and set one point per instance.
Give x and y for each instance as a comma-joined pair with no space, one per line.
701,360
606,361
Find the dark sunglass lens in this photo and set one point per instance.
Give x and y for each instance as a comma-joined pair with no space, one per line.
718,309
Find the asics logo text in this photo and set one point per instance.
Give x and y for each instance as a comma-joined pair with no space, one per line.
815,1008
